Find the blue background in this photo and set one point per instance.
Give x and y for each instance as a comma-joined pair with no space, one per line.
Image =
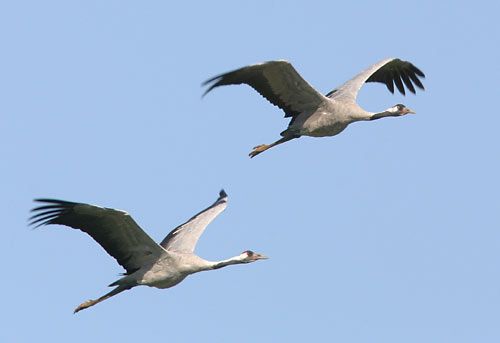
388,232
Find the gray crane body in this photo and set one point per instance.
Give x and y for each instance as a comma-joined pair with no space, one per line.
314,114
147,263
330,119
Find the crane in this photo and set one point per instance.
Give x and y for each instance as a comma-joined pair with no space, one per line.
146,263
312,113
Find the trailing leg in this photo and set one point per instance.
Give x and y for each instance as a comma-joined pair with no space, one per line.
263,147
89,303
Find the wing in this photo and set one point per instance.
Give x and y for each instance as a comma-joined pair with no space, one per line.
114,230
389,71
185,236
278,82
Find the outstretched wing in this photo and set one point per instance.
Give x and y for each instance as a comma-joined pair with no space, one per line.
114,230
184,237
278,82
388,71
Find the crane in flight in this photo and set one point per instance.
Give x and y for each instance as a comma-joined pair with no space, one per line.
146,263
314,114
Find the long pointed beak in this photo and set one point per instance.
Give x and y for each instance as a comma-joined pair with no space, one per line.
259,257
410,111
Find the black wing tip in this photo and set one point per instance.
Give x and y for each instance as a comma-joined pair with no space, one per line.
216,80
43,218
223,79
46,214
418,71
53,201
211,80
222,194
233,77
408,76
45,200
208,90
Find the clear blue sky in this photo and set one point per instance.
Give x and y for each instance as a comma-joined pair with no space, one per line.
388,232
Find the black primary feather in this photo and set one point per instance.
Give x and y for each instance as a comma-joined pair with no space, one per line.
114,230
398,71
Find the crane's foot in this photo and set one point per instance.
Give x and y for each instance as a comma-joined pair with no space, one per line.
258,149
85,305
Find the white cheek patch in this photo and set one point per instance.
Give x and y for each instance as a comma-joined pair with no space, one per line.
244,255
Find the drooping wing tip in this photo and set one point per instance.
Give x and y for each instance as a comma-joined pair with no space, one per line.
216,82
396,74
418,71
207,82
414,78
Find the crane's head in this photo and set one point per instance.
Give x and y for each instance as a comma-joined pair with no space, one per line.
249,256
399,110
395,111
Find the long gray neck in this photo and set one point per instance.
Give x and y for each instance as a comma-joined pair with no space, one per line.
386,113
224,263
190,263
361,114
356,113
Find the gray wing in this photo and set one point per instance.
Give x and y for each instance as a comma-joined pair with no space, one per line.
184,237
278,82
114,230
388,71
